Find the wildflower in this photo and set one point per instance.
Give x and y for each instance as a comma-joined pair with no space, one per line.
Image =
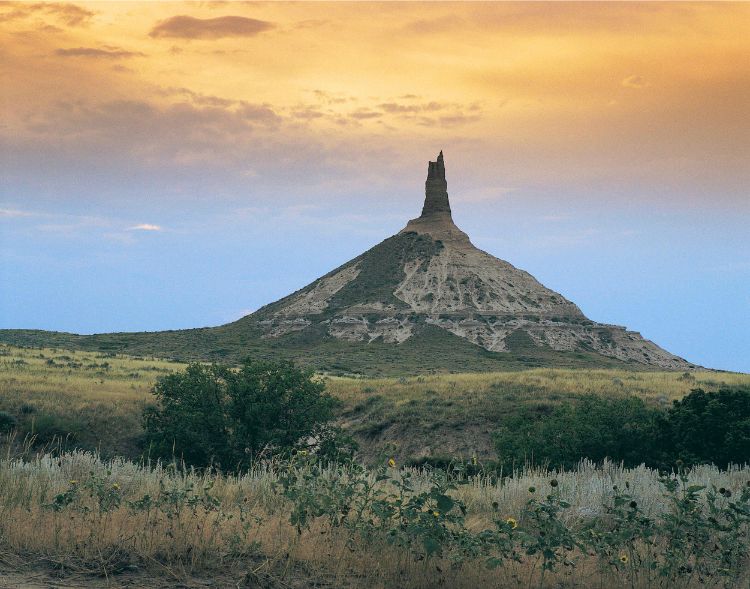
391,463
436,513
474,459
73,482
302,452
532,489
624,558
554,483
511,521
116,486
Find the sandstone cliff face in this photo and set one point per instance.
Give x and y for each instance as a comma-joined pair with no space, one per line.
431,274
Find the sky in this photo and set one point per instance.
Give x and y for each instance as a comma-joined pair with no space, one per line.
171,165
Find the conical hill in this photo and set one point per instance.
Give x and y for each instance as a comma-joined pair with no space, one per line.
431,274
424,299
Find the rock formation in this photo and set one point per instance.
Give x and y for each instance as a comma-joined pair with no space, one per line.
431,274
436,190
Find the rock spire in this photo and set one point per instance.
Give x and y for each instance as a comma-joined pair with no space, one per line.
436,189
431,285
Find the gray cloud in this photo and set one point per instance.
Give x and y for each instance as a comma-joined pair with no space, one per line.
258,113
307,113
458,119
247,111
331,98
70,14
365,114
97,53
634,81
395,107
189,27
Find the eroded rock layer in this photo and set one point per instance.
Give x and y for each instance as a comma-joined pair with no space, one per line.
431,274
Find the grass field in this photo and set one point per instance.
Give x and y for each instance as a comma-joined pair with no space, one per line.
75,518
85,522
97,400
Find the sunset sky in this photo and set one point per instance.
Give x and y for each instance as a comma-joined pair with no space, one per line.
169,165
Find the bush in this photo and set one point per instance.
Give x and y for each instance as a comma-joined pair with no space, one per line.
701,428
214,415
49,428
7,422
621,429
708,427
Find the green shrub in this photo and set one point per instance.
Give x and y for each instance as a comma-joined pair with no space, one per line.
621,429
708,427
701,428
214,415
7,422
26,409
48,428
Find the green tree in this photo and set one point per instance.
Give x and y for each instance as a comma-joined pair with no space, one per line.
216,415
708,427
621,429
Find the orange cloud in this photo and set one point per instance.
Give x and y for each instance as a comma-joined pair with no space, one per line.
188,27
542,94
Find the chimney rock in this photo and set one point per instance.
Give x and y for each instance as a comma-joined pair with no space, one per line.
436,190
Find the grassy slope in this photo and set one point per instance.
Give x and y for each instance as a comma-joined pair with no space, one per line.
58,391
430,350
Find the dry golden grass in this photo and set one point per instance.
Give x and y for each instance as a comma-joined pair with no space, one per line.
657,387
97,398
237,530
79,378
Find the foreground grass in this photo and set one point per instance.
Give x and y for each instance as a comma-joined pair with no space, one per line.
95,400
89,518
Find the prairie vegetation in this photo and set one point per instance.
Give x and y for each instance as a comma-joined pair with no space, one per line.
95,401
430,350
302,524
119,517
91,400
